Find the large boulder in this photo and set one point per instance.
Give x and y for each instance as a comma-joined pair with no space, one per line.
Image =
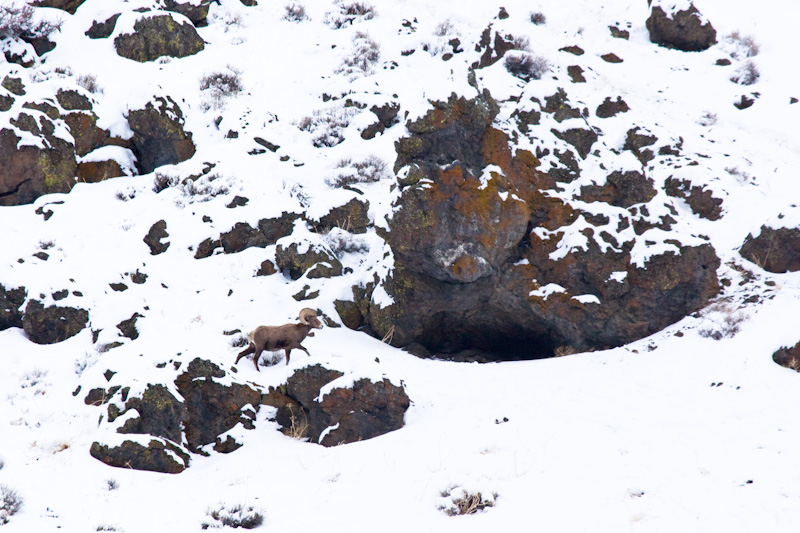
35,159
774,250
157,34
486,264
158,135
679,25
52,324
344,414
160,455
213,408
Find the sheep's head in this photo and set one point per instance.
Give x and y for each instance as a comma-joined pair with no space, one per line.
309,317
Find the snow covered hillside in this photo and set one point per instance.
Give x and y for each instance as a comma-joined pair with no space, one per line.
553,261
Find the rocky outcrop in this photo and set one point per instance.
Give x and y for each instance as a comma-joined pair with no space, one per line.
774,250
482,265
685,29
52,324
342,415
700,200
208,409
243,236
157,35
158,135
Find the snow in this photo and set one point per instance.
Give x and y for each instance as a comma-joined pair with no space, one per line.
675,432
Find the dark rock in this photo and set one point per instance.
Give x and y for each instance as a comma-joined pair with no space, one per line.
576,74
558,106
267,268
618,33
211,408
266,144
362,412
13,85
49,325
638,142
158,456
160,414
70,6
157,232
238,201
744,102
611,58
582,139
297,259
774,250
71,100
207,248
622,189
701,201
574,50
788,357
352,217
11,301
128,327
158,135
685,30
492,52
157,36
88,136
196,12
387,117
27,172
102,30
610,108
97,171
241,237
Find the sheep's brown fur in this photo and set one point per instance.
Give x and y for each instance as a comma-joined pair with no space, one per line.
286,337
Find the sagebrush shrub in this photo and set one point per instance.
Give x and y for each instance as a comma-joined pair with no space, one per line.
17,21
459,502
721,320
349,13
89,82
342,242
294,13
349,172
221,86
742,46
246,517
362,58
327,126
10,503
746,74
526,66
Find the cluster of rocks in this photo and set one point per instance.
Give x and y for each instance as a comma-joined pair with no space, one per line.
206,407
52,162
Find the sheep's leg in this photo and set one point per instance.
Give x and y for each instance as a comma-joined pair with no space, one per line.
256,357
288,351
300,347
247,351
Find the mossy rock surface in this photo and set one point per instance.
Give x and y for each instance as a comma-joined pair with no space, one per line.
158,135
157,36
158,456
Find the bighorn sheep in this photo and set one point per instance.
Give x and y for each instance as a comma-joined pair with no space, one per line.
286,337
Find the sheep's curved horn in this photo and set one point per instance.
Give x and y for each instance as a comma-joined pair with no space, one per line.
306,314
